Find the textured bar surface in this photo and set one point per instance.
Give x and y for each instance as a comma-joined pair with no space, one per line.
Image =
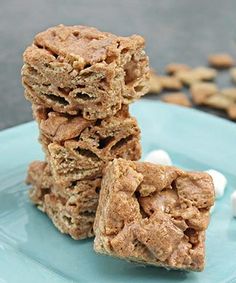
71,208
77,148
78,69
153,214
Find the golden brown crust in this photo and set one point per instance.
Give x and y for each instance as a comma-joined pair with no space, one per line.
153,214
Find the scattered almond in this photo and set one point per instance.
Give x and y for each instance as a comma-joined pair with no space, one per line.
170,83
201,91
231,111
173,68
230,93
205,74
154,83
221,61
178,98
196,75
233,74
187,77
218,101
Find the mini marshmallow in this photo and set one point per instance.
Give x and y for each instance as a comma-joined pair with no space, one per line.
159,157
219,182
233,203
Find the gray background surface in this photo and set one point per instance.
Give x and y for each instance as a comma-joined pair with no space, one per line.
175,30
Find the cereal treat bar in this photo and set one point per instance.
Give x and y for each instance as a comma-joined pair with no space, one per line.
77,148
71,208
81,70
153,214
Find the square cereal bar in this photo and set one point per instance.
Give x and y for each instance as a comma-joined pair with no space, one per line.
153,214
81,70
71,208
77,148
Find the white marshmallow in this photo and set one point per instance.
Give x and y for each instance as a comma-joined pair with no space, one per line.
233,203
219,182
159,157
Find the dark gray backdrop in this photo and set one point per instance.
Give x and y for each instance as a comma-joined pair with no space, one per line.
175,30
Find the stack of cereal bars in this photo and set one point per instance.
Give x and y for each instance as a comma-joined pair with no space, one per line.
80,82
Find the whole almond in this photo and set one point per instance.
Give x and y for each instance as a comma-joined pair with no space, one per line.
170,83
196,75
178,98
205,73
173,68
218,101
187,77
201,91
221,61
230,93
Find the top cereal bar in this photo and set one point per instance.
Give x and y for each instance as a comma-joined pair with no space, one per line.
79,69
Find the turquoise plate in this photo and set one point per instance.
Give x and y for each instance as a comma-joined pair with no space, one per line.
32,250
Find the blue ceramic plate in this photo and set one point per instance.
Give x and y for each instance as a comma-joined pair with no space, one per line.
32,250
